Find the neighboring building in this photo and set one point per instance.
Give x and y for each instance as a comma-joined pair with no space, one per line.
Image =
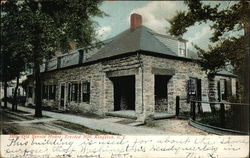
138,70
222,85
12,85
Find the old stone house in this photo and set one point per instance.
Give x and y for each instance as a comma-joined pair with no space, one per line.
138,71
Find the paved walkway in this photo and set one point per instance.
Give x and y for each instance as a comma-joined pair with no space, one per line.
101,124
36,121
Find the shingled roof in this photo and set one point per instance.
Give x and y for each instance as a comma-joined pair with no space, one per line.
138,39
141,39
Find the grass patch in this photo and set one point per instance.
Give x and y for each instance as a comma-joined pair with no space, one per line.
81,128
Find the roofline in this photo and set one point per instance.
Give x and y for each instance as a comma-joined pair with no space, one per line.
167,56
84,49
226,75
169,36
123,55
90,62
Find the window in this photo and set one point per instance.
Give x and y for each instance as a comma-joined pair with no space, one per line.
86,92
74,92
79,92
194,89
52,91
49,92
192,86
69,89
182,48
224,89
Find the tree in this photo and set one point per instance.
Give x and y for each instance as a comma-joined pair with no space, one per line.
227,50
12,66
15,52
47,26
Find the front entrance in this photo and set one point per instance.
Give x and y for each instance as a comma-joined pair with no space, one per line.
124,93
62,96
161,93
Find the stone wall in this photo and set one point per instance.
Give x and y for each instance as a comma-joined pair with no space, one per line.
101,87
91,73
119,67
102,91
177,84
213,87
161,105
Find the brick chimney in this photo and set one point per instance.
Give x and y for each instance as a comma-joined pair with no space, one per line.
135,21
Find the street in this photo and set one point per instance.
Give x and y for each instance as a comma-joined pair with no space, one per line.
24,123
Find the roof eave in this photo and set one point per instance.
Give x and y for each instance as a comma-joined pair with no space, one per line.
226,75
123,55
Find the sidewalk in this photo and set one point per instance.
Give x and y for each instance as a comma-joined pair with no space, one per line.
100,124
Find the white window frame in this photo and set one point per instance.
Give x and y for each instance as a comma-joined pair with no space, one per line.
71,84
180,48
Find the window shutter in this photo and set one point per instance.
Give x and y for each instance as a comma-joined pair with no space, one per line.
79,92
54,91
229,87
49,92
88,87
76,92
72,92
218,90
69,92
198,87
225,90
188,91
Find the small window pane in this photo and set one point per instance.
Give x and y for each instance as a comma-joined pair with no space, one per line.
181,48
86,92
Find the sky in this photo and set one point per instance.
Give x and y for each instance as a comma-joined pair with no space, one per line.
154,15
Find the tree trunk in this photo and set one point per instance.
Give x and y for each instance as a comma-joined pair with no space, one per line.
38,100
5,94
14,104
36,71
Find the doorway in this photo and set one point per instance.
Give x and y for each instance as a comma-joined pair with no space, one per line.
62,96
161,92
124,93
